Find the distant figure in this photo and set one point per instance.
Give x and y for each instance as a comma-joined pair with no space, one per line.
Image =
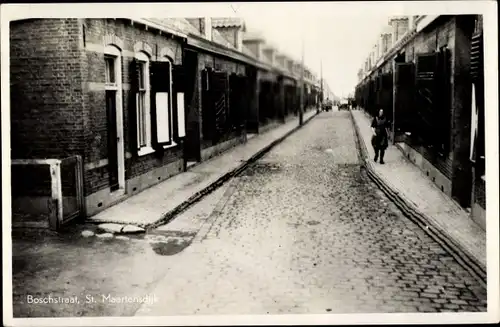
380,138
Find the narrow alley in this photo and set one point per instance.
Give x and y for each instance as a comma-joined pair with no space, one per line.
310,162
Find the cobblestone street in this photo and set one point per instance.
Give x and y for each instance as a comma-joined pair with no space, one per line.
305,231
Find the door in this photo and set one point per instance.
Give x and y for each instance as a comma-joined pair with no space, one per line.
251,116
403,99
112,140
219,89
425,83
114,119
237,102
192,142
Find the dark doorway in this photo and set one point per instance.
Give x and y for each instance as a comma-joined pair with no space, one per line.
112,139
192,148
404,99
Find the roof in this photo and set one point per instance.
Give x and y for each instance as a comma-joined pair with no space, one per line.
269,47
218,38
227,22
178,24
253,35
247,51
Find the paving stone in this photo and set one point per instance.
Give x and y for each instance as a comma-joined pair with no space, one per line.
131,229
105,235
111,228
450,306
87,233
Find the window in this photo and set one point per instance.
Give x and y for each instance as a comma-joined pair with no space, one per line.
110,69
166,119
143,106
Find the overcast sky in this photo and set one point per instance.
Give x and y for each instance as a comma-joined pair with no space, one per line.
340,41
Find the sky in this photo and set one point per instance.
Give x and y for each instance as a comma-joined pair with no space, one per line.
338,41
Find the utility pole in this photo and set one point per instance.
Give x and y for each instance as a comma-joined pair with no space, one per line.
301,108
321,80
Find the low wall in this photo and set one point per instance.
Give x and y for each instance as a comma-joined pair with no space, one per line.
270,125
103,199
34,210
221,147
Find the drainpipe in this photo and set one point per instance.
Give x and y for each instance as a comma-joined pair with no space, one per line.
301,108
394,94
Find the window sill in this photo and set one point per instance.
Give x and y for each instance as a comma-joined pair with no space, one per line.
145,150
170,146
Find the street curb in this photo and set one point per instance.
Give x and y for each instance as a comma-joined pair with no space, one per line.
168,216
456,250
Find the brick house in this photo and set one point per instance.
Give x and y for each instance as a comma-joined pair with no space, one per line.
108,97
424,81
137,99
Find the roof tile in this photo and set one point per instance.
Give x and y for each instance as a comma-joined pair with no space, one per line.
227,22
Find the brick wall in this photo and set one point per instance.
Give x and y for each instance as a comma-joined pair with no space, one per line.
440,34
96,132
47,118
229,33
206,60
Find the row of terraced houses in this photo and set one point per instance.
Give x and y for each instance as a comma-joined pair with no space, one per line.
137,101
427,73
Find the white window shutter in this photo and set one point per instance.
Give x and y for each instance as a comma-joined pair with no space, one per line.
162,117
180,115
474,126
139,119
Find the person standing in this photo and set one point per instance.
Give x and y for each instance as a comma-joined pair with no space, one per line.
380,138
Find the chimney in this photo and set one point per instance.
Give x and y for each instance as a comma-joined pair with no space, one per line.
269,54
289,66
206,30
254,42
400,25
280,61
386,42
238,36
231,28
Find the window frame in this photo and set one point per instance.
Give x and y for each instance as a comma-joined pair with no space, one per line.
170,102
114,53
143,60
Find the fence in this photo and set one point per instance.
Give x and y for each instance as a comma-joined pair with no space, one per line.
47,193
